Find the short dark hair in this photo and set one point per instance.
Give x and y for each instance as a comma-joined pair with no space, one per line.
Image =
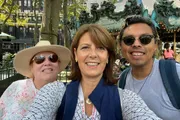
166,45
100,37
133,19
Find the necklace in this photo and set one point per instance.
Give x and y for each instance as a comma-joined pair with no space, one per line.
144,81
88,101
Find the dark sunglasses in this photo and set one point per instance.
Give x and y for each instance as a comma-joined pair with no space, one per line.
144,39
40,58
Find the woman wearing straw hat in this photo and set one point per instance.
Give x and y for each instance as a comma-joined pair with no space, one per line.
41,65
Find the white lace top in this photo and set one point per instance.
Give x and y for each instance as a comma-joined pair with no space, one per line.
50,96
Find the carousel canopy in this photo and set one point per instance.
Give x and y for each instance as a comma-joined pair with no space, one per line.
165,16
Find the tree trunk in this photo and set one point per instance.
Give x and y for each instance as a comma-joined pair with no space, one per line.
66,30
36,23
50,20
75,15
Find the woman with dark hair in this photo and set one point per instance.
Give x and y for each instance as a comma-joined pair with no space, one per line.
92,94
168,53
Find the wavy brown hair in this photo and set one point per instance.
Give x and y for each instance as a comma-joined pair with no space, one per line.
100,37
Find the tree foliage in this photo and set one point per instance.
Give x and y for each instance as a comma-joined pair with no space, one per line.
75,9
8,8
50,20
37,5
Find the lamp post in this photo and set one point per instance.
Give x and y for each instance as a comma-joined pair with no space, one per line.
1,26
0,43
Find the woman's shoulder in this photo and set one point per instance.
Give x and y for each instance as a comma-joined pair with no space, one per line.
22,81
126,94
48,99
54,87
16,85
129,97
133,107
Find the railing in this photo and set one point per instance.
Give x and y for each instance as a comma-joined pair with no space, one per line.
6,70
6,73
63,76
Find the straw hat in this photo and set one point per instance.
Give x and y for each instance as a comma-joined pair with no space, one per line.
23,57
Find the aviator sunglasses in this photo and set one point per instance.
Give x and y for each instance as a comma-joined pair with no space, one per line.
41,58
144,39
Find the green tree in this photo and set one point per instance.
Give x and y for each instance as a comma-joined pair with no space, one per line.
71,14
7,8
113,1
50,20
75,8
65,21
37,4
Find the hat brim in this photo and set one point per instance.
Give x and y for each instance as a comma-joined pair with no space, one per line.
22,58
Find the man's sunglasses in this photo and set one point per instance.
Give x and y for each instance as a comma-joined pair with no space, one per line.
40,58
144,39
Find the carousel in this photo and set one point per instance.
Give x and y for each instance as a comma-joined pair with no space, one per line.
165,16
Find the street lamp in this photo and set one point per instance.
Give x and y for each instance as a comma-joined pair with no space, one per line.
0,44
1,26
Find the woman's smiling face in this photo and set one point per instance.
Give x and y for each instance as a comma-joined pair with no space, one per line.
92,59
47,70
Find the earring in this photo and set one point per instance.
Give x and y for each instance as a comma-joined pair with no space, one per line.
76,60
107,61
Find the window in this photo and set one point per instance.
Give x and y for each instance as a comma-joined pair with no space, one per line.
10,29
39,18
21,28
25,3
19,3
29,3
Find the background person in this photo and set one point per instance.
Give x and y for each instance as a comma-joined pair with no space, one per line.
168,52
92,94
41,64
138,42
